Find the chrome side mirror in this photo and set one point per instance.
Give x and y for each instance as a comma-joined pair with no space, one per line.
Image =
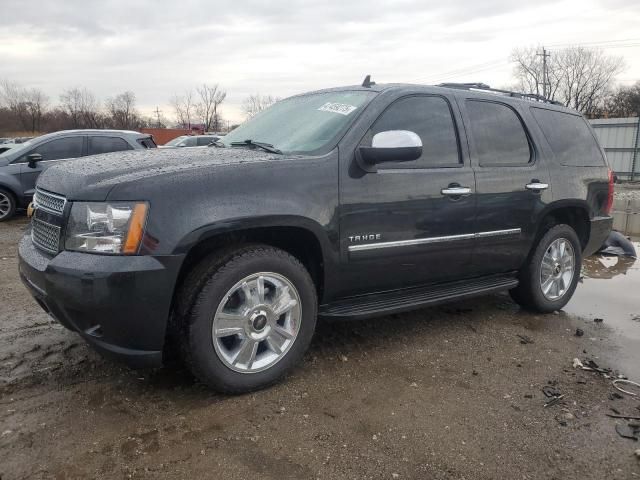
392,146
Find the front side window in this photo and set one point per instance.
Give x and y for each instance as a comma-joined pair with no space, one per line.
569,137
107,144
306,124
69,147
203,141
428,116
498,134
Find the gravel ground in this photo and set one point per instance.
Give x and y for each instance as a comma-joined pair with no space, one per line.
443,393
628,191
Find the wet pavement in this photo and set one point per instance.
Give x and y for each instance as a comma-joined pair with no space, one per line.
453,392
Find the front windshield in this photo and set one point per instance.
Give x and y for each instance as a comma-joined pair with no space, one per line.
176,141
305,124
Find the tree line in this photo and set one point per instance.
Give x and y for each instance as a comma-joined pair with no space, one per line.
579,78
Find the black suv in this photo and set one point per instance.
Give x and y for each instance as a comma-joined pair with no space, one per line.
343,203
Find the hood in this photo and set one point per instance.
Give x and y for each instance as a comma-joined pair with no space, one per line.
92,178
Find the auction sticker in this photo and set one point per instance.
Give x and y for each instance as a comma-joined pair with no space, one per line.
341,108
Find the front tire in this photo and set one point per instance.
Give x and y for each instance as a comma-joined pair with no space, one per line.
250,319
550,277
7,205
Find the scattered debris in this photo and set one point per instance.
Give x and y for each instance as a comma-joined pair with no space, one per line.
577,363
615,396
638,453
598,320
579,332
628,417
524,340
630,431
550,391
553,401
618,245
625,382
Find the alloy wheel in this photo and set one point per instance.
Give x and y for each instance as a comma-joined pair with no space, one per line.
557,269
5,205
257,322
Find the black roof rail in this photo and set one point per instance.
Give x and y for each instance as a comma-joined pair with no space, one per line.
484,87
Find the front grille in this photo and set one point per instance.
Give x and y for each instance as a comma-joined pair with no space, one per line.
45,236
49,201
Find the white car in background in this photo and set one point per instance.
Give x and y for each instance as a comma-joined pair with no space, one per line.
191,141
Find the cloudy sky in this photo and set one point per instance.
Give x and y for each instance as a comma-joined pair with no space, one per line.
158,48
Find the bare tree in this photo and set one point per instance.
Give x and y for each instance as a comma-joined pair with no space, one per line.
183,107
122,111
26,106
624,102
254,104
82,107
210,98
578,77
35,107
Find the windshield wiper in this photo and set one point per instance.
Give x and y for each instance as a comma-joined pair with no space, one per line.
265,146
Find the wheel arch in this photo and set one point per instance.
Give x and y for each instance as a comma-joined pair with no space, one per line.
575,213
301,237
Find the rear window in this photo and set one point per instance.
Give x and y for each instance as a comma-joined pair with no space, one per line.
107,144
569,137
498,134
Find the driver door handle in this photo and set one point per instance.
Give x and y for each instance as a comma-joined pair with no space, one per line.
536,186
456,191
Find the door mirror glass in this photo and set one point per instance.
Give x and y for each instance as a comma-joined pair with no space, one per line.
33,159
392,146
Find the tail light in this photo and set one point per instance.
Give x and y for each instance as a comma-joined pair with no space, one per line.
609,205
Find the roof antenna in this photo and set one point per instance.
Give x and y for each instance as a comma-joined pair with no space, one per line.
367,82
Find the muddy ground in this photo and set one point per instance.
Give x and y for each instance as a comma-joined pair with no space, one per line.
452,392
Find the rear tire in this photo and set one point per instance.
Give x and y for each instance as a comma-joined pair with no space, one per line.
248,317
7,205
551,274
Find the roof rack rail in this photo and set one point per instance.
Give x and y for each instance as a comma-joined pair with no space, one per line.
484,87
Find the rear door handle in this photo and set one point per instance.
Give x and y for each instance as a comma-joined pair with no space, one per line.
456,191
536,186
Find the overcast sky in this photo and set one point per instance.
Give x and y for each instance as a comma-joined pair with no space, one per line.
157,48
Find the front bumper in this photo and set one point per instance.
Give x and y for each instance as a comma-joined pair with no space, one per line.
119,304
599,231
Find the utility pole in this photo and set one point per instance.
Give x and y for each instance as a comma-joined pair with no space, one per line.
158,112
545,71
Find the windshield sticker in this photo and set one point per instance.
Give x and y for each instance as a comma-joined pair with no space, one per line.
341,108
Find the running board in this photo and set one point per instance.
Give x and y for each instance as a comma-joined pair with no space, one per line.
372,305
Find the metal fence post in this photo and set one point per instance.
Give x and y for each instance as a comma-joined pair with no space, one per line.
634,162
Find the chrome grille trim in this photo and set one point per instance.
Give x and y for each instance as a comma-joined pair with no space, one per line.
45,236
48,201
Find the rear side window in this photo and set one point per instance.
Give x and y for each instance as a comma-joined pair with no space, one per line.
569,137
204,141
431,119
147,142
107,144
68,147
498,134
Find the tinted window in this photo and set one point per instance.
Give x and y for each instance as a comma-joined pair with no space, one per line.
430,118
569,137
69,147
107,144
202,141
147,142
498,134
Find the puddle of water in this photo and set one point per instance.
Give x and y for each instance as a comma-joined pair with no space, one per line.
610,290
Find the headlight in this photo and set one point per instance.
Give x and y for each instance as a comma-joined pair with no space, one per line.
106,227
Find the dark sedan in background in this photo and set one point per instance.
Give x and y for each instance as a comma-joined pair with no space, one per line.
21,165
